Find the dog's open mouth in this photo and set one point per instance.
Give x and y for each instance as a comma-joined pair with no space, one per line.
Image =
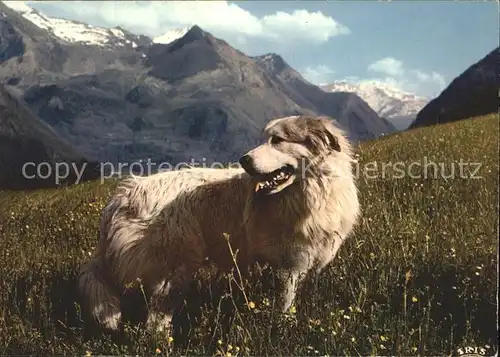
275,181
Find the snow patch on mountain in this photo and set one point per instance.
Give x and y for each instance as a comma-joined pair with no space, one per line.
399,107
72,31
171,36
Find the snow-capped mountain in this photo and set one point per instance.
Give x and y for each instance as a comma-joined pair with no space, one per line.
399,107
171,36
73,31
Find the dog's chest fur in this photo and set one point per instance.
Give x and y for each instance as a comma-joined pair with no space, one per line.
286,229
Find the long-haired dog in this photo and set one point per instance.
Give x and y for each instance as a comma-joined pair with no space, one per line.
291,205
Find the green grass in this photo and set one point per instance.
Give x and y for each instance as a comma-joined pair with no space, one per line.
418,277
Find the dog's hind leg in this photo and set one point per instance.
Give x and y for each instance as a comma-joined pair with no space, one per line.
159,318
167,296
100,298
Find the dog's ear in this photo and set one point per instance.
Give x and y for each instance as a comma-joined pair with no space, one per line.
330,134
321,140
332,140
321,135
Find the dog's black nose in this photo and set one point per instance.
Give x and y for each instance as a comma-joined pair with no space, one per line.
245,161
247,164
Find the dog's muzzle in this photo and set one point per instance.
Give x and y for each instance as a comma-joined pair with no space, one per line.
246,162
271,182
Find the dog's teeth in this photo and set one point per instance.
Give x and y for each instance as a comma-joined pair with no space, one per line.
273,182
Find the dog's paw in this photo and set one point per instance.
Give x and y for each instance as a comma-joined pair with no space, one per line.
159,323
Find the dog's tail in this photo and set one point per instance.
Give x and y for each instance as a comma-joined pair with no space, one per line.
100,298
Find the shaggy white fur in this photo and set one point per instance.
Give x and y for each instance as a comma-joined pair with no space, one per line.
160,228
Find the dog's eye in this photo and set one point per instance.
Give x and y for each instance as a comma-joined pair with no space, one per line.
274,140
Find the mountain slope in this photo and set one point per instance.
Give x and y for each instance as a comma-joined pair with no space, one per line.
399,107
194,96
24,138
473,93
33,51
352,112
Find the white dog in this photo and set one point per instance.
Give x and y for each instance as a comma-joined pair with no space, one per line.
292,205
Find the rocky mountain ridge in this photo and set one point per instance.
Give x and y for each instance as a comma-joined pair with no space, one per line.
195,96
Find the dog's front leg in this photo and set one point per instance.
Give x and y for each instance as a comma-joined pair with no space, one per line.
288,282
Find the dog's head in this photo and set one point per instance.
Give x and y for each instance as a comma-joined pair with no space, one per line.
292,145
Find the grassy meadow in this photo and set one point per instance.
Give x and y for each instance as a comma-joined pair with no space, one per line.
418,276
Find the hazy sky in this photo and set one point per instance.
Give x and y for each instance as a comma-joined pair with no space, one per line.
418,46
